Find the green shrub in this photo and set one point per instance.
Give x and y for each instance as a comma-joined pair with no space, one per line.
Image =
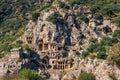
98,17
77,53
86,76
80,43
116,60
108,11
96,48
27,74
116,34
26,47
85,53
114,40
52,18
83,18
117,21
5,47
94,40
95,8
99,48
101,55
19,43
35,16
63,5
20,60
71,2
55,18
91,47
106,41
1,55
114,55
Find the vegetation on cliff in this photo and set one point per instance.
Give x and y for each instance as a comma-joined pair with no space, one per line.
14,15
27,74
86,76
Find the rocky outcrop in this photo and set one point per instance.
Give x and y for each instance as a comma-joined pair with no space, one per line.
100,68
58,40
69,34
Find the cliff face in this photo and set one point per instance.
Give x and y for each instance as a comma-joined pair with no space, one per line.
65,30
68,30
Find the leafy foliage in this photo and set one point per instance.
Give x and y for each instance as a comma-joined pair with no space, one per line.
13,19
98,17
117,20
63,5
106,41
86,76
85,53
116,34
96,48
1,55
83,18
114,54
77,53
27,74
80,43
54,18
106,8
94,40
101,55
35,16
71,2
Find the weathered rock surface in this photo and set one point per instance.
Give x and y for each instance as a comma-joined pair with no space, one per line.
57,44
100,68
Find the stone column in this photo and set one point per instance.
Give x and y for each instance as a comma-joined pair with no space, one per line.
42,46
48,46
64,65
69,66
57,65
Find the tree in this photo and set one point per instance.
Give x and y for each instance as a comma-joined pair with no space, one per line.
27,74
86,76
